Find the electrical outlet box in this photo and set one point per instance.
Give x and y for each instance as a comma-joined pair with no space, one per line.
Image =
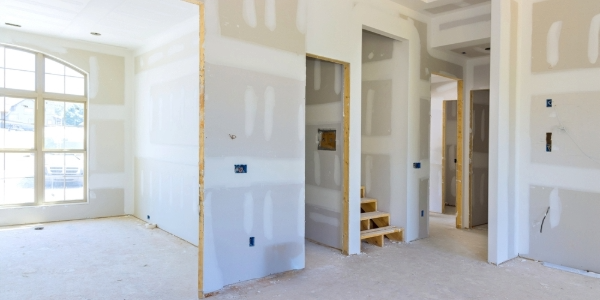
548,102
148,217
251,241
417,165
422,213
241,168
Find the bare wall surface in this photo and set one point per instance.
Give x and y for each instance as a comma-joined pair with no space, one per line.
166,157
450,139
323,168
480,141
558,60
110,171
255,116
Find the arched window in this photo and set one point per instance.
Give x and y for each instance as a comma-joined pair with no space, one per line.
43,136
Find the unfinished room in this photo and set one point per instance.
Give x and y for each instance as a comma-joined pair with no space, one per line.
299,149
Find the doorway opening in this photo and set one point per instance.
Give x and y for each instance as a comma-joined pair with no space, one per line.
445,189
327,151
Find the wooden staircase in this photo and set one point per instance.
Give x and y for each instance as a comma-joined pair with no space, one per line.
374,225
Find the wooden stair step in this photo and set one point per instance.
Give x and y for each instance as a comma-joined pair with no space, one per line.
367,200
373,215
379,232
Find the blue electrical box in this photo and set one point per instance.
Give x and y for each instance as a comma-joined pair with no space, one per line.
548,102
417,165
241,168
251,242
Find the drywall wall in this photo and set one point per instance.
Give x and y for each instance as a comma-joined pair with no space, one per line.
334,30
479,154
441,89
110,167
382,58
323,167
166,130
477,77
254,116
467,27
449,154
551,48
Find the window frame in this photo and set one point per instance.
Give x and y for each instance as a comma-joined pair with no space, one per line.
39,95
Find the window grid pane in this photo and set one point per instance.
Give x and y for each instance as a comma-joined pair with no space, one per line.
20,80
53,67
17,123
1,57
17,178
64,125
61,79
19,60
63,176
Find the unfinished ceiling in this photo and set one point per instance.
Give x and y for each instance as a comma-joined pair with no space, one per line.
436,7
124,23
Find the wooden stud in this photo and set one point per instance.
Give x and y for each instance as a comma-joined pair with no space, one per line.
459,154
346,165
377,240
363,192
201,151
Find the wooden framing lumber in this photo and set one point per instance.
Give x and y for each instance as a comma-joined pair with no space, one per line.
201,150
459,154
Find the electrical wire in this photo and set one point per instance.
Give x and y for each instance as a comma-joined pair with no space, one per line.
562,128
544,219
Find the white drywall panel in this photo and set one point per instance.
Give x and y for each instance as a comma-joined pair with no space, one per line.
323,168
254,115
334,31
559,63
501,232
166,139
110,167
466,27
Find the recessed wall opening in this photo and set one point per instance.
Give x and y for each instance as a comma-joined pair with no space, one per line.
325,151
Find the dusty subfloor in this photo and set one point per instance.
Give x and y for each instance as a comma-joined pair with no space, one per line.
117,258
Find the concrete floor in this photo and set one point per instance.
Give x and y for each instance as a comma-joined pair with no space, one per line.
117,258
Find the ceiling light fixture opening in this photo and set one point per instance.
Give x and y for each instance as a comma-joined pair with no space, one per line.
95,33
11,24
487,49
464,53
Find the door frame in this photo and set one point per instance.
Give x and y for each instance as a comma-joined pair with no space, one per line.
346,162
459,149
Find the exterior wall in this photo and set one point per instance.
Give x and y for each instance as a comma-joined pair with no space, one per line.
110,175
